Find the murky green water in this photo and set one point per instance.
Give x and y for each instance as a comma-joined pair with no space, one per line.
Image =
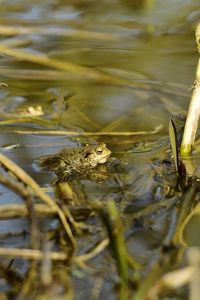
114,66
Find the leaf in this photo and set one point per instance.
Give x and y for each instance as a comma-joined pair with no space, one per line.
179,165
174,143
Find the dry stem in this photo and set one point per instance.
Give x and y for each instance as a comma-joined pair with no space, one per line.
35,188
194,110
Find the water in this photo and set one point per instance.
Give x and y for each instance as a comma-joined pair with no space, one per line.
115,66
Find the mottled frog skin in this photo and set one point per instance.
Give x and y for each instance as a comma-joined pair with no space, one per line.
75,160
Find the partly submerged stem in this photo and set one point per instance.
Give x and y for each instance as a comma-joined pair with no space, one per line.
193,112
34,188
192,119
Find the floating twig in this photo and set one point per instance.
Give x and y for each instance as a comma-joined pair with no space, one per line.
12,211
31,254
96,133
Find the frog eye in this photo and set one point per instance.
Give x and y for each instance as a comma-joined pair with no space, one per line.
99,151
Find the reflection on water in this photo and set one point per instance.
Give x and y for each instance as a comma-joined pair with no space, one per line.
96,66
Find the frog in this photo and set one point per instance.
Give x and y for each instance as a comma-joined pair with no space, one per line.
25,112
80,160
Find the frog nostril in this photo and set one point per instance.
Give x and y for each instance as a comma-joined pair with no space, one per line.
87,154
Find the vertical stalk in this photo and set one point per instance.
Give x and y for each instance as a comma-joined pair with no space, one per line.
193,111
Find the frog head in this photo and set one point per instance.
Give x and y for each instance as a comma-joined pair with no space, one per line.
97,154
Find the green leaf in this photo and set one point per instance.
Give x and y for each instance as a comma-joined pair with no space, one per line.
174,143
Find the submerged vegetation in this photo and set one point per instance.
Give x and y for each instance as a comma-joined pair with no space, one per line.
99,221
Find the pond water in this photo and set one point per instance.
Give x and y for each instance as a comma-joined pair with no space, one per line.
96,67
